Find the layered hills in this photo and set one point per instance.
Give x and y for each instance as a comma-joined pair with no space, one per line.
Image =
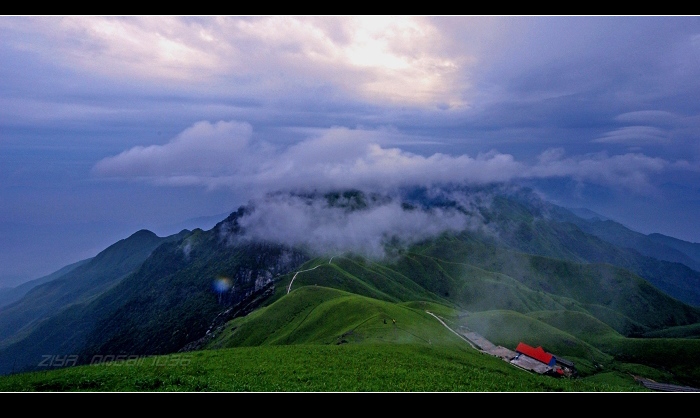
330,268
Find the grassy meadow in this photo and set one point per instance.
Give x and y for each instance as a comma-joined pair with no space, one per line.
318,339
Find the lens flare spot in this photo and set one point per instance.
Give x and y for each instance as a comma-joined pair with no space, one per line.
222,284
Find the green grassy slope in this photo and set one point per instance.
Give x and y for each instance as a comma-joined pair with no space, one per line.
616,296
311,368
53,317
683,331
581,331
320,315
593,346
171,300
529,225
321,339
76,285
526,280
9,295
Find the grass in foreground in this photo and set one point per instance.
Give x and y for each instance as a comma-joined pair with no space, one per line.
310,368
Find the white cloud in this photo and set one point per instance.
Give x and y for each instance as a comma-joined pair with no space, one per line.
141,47
203,151
381,59
223,154
323,229
634,135
626,172
648,117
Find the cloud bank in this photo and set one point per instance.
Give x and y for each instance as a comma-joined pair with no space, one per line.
326,229
595,111
383,59
223,154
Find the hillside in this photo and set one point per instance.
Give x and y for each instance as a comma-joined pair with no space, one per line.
27,319
9,295
518,274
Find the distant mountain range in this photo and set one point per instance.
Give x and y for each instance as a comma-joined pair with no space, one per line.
487,249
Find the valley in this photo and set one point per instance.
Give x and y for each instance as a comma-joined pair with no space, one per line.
525,275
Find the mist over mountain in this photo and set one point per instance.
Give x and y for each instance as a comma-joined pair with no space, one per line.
9,295
475,247
368,224
403,159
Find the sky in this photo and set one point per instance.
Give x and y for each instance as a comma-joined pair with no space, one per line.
111,124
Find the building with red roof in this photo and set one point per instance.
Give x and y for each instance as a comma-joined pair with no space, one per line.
536,353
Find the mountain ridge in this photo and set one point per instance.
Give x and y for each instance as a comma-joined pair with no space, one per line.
516,258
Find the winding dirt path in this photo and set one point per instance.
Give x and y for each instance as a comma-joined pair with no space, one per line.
455,332
289,288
